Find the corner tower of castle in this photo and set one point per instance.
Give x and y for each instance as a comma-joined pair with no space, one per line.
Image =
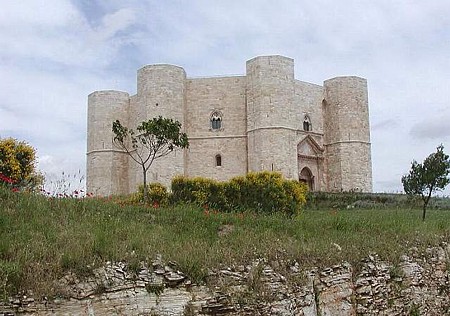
106,166
347,134
271,124
160,91
263,120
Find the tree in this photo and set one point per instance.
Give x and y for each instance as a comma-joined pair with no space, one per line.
18,163
426,178
152,139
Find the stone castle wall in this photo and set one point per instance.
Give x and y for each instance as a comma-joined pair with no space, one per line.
227,96
261,129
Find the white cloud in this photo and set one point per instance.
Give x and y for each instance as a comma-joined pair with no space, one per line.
433,128
35,13
56,52
47,32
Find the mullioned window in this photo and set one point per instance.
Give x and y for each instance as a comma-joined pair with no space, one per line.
216,120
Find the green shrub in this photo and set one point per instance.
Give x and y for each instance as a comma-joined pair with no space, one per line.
350,200
260,192
266,192
199,191
10,277
157,194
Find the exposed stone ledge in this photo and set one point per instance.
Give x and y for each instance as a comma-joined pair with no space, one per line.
419,284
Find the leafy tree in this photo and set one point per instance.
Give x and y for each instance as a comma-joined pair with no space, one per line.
18,163
152,139
426,178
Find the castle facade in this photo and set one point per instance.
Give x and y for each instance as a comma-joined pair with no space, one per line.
263,120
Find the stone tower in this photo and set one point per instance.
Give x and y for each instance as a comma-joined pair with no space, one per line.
160,91
347,134
270,126
106,165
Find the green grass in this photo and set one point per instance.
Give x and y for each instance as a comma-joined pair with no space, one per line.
41,239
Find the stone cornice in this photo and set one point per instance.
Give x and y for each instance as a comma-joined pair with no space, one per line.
285,127
348,141
217,137
310,157
105,151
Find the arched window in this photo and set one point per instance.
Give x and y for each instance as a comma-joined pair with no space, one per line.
218,160
307,127
216,120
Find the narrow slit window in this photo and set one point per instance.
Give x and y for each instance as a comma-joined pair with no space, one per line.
307,127
218,161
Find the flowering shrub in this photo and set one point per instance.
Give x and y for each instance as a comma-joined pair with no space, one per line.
266,191
157,195
199,191
261,192
17,163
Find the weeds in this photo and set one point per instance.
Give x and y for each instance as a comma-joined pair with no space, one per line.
396,273
255,283
414,310
153,288
10,277
43,238
66,185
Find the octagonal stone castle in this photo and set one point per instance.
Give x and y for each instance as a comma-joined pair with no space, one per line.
263,120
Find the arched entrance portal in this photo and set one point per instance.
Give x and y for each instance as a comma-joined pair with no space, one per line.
307,177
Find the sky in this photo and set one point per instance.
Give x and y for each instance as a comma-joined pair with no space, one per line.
55,52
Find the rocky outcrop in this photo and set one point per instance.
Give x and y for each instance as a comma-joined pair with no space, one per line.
417,285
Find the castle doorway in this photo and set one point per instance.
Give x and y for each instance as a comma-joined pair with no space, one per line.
307,177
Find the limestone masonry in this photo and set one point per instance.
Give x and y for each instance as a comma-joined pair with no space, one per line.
264,120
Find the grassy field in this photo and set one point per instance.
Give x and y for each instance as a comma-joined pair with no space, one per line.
43,238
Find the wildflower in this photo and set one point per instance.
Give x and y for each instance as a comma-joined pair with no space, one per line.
206,212
15,189
155,204
6,179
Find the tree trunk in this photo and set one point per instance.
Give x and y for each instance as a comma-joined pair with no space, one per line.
145,185
425,203
424,210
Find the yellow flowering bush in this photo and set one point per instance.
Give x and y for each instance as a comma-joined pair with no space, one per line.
157,194
199,191
261,192
17,162
266,191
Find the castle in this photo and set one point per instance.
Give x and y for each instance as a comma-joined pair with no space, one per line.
263,120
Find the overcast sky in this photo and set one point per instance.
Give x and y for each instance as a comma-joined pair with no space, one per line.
55,52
